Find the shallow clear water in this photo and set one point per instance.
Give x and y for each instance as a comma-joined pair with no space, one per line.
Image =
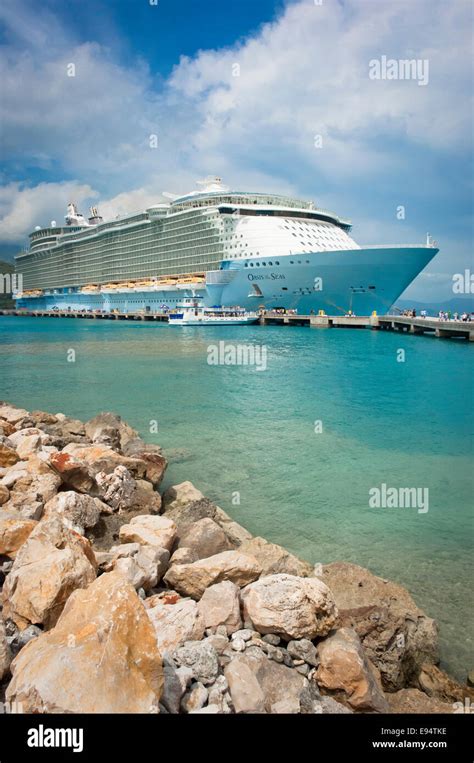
233,429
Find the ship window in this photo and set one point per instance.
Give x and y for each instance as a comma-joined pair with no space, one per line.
257,264
271,265
291,262
371,287
284,288
277,263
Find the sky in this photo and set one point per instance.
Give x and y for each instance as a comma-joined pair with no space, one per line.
271,95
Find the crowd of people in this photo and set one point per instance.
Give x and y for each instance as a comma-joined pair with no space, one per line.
443,315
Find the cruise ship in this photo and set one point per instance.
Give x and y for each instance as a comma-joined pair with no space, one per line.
223,247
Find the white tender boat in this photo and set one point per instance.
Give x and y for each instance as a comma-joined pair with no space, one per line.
191,313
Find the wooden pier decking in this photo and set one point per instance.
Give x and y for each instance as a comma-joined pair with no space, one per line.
431,326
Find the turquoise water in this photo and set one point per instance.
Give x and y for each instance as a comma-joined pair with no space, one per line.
233,429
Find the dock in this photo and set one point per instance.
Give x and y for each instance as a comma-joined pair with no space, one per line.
401,323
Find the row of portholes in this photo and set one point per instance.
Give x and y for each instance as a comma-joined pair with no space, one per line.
270,264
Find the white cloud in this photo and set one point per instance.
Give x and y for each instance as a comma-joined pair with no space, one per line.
302,75
22,209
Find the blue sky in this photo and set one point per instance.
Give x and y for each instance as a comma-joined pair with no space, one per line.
302,70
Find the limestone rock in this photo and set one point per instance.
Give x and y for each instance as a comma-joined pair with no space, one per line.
31,491
100,658
396,635
145,568
345,671
77,510
175,622
195,698
235,532
155,466
102,458
4,494
150,530
176,682
220,605
5,654
185,516
201,657
108,428
123,492
8,456
277,682
289,606
48,567
14,531
183,556
275,559
74,473
437,684
193,579
204,538
12,414
179,496
247,695
303,650
415,701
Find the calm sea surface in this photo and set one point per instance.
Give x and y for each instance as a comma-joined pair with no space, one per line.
248,435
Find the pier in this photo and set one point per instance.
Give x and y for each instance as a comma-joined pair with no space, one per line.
401,323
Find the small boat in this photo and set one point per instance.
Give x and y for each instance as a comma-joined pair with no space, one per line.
191,313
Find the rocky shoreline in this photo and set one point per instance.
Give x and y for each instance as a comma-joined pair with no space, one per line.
116,599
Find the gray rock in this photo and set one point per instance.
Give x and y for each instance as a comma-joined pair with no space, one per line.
289,706
303,669
271,638
303,649
176,682
238,644
220,606
245,690
5,653
246,634
201,658
204,538
195,698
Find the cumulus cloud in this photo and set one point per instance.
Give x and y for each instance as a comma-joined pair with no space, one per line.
22,209
250,112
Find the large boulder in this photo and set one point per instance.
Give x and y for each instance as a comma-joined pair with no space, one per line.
278,683
275,559
175,621
193,579
346,673
48,567
201,658
4,494
415,701
397,636
8,456
31,490
102,458
150,531
437,684
204,538
74,473
220,605
12,414
101,657
289,606
14,531
122,492
144,568
245,690
179,496
77,510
